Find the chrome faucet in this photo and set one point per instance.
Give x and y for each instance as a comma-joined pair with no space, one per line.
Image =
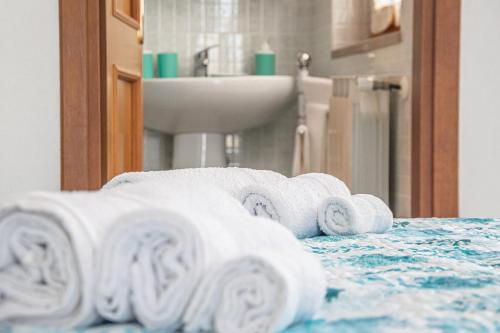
202,61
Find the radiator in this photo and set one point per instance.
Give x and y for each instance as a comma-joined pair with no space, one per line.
359,134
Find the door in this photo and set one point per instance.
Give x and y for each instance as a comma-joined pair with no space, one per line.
101,91
123,121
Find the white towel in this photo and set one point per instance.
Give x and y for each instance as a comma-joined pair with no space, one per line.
48,244
317,122
153,261
261,292
302,151
311,139
360,213
231,180
293,202
66,231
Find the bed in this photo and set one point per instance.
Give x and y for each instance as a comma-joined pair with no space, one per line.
424,275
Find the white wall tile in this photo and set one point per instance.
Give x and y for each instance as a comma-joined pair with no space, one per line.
239,26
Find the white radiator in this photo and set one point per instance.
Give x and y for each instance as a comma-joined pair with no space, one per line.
359,135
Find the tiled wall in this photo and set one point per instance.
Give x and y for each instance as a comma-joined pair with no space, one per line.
239,27
321,41
393,60
271,146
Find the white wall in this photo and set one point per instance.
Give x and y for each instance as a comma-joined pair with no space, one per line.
29,97
480,109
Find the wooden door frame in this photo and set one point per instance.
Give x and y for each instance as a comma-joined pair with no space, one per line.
83,84
435,108
434,101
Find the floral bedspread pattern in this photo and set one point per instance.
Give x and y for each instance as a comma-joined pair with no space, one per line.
424,275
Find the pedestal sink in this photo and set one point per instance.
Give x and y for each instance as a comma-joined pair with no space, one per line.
199,111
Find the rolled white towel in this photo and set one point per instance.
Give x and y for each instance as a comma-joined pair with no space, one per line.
360,213
293,202
232,180
48,244
153,261
261,292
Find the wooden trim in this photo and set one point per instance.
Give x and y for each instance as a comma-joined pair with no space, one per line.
138,122
422,90
435,108
131,20
446,107
80,79
369,44
104,87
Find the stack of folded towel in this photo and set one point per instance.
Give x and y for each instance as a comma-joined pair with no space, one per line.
142,252
293,202
231,180
176,250
309,205
168,252
313,204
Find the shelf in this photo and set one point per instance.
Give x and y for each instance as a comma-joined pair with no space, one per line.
368,45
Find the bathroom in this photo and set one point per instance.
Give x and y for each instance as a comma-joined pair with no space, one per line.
236,31
260,166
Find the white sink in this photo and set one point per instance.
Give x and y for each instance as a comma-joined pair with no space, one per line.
215,104
317,90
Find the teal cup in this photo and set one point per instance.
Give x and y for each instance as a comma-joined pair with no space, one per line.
167,65
265,64
148,69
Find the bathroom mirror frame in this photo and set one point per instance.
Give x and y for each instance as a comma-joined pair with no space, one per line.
434,101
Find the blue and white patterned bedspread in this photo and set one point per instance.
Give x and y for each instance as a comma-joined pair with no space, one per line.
424,275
